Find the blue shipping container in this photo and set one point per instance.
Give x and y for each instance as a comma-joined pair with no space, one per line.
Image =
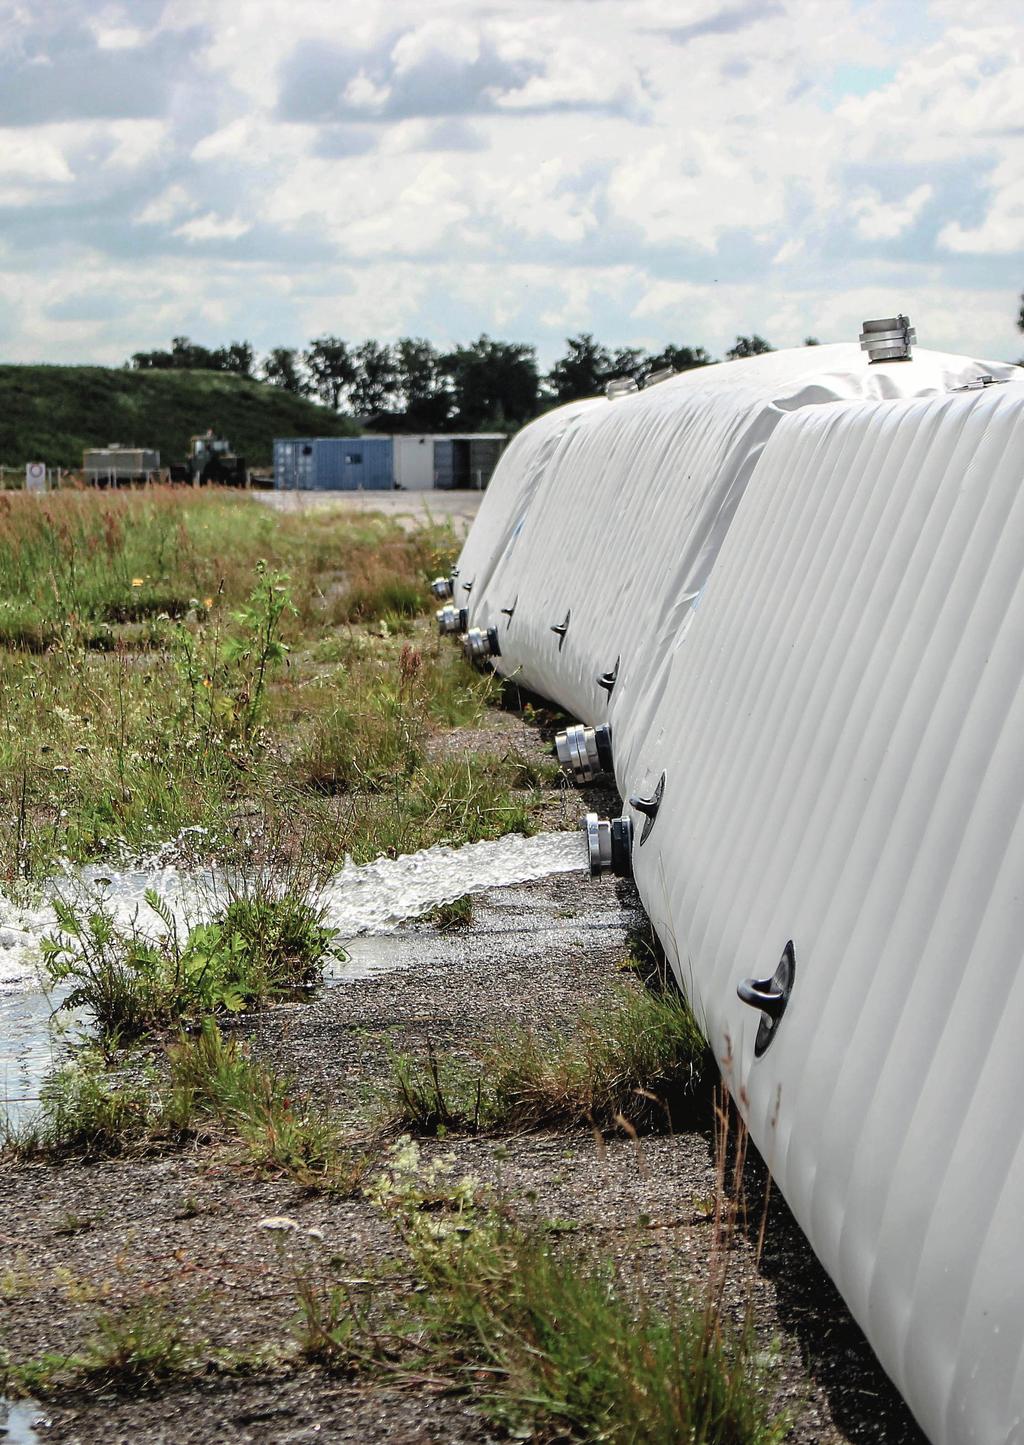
334,464
293,464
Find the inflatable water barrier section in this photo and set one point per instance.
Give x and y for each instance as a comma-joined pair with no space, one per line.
785,598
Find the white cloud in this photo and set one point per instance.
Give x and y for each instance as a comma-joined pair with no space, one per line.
122,37
364,94
1001,231
134,143
173,202
33,157
884,220
234,139
211,227
789,251
960,95
439,37
614,166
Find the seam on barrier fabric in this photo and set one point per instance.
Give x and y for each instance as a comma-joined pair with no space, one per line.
924,652
957,744
879,689
741,679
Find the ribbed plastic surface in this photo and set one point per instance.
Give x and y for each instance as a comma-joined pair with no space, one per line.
839,723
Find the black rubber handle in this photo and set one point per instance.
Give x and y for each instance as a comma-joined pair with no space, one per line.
762,993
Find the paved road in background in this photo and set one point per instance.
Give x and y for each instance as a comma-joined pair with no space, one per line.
411,509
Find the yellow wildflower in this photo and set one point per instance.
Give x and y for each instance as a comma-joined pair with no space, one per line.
137,581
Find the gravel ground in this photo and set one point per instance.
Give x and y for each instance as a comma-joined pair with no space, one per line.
185,1228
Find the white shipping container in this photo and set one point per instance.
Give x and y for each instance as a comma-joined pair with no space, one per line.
414,463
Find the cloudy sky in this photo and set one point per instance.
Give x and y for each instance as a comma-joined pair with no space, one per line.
649,170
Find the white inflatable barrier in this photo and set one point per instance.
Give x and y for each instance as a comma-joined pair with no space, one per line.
802,577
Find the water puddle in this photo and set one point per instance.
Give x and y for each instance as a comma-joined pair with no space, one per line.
31,1044
367,899
18,1421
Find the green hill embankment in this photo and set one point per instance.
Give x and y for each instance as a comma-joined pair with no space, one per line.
52,413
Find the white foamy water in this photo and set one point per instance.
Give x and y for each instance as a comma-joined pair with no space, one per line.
362,898
189,896
375,897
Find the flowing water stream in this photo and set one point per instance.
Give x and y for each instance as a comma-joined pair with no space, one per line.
370,898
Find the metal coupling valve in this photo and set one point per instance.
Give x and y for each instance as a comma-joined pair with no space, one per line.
441,588
609,845
452,620
890,338
479,643
587,751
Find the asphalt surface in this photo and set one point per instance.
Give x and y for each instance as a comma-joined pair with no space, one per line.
411,509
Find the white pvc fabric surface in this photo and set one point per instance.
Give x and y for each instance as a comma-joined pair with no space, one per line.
811,573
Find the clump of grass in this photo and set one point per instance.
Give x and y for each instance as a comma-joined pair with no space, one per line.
382,596
377,735
387,581
87,1112
553,1345
334,1328
210,1088
449,916
216,1081
638,1061
568,1352
139,1348
265,944
144,605
436,1095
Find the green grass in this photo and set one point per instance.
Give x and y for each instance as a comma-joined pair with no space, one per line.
280,1130
262,672
140,1347
87,1111
547,1340
208,1089
75,561
53,413
451,916
636,1061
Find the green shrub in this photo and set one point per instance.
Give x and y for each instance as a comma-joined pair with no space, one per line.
284,940
262,946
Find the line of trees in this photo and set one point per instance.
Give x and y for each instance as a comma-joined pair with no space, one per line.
487,385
